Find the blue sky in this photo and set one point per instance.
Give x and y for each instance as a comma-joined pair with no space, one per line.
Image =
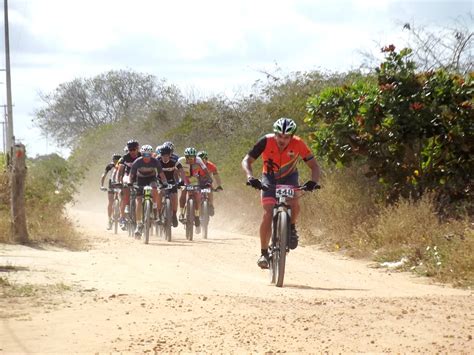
204,47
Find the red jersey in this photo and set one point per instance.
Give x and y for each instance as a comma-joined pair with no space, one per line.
280,163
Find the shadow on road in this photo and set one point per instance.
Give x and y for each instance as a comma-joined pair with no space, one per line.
306,287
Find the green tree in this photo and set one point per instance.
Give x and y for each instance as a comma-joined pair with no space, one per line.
80,105
414,131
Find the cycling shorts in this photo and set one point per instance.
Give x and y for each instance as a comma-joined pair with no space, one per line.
141,182
268,197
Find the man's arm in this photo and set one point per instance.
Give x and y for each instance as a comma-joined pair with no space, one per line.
315,170
247,165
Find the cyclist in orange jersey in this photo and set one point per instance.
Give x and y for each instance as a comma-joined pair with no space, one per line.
280,152
214,177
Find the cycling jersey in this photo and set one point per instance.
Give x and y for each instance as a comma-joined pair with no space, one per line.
143,171
112,168
170,167
127,160
280,164
207,178
192,170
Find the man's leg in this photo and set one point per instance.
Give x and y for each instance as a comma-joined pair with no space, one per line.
295,211
265,235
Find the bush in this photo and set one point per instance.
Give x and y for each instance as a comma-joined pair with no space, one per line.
414,131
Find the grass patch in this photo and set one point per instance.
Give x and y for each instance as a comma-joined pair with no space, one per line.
13,290
345,216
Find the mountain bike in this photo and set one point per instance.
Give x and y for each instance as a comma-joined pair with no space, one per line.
164,229
205,210
189,210
116,206
147,212
281,230
130,212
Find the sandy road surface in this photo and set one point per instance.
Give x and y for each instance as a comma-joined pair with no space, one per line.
209,296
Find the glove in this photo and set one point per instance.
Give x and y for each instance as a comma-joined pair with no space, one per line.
255,183
103,188
311,185
218,188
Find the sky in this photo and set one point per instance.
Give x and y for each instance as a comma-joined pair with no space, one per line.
204,47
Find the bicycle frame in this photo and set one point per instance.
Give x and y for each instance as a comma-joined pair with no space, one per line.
205,211
147,210
166,213
189,209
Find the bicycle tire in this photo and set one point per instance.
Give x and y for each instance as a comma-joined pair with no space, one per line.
167,220
116,214
204,218
132,224
146,221
190,219
282,240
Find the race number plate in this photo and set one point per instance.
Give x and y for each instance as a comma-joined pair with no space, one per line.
208,190
190,188
285,191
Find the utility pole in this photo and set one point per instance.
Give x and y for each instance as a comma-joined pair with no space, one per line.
10,137
16,157
4,132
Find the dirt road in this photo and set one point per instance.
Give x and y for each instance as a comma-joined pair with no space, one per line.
209,296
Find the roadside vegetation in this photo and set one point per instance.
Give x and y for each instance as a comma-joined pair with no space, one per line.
51,184
395,145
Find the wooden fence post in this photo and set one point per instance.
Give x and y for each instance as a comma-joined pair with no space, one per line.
17,181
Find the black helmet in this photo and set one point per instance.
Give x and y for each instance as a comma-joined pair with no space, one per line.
165,150
116,157
132,143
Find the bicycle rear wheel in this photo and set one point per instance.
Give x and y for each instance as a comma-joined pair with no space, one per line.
281,243
147,221
190,219
116,214
205,218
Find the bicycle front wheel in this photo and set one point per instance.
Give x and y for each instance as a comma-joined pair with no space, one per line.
116,214
167,220
205,218
190,219
280,250
147,221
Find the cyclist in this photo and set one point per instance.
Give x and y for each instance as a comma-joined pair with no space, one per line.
194,169
144,172
169,145
280,152
112,168
212,168
171,168
125,165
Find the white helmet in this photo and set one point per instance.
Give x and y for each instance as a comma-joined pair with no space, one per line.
146,149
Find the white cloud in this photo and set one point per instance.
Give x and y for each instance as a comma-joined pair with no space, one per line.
208,46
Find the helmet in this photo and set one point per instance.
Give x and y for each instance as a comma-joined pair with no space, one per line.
284,126
132,143
146,150
165,150
202,154
169,144
190,152
116,157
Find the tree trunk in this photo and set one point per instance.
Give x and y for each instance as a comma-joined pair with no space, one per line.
17,183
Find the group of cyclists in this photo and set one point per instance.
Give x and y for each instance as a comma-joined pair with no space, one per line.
280,151
159,168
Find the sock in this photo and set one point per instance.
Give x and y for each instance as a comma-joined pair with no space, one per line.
181,210
155,206
264,251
